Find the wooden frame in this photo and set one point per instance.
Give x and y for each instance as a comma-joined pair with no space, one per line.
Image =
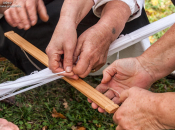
79,84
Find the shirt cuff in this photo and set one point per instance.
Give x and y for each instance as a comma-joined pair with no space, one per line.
134,5
1,15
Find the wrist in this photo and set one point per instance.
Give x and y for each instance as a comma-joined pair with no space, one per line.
149,67
166,110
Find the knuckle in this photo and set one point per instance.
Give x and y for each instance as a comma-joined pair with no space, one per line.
29,6
48,50
68,60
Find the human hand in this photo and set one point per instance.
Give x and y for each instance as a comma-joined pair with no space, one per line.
63,41
5,125
92,49
25,16
139,110
120,75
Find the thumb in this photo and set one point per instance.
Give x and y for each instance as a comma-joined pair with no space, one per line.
68,60
124,95
109,72
42,11
118,128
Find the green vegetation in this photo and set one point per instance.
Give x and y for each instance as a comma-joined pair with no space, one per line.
33,109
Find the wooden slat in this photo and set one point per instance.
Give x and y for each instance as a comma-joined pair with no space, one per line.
79,84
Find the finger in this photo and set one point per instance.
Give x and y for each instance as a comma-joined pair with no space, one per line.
13,126
109,72
116,100
68,59
124,95
115,117
101,110
119,128
54,63
14,15
42,11
88,70
89,100
82,65
31,10
8,18
102,88
78,50
23,16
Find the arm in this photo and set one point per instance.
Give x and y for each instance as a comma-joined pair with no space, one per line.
155,63
144,109
64,38
159,59
93,44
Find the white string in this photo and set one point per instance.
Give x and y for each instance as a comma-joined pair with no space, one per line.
34,80
115,91
45,76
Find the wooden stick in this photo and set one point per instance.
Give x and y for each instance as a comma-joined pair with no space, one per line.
79,84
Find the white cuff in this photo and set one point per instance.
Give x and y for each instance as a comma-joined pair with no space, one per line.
1,15
97,6
134,5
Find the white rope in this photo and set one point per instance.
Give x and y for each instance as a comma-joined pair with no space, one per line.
9,89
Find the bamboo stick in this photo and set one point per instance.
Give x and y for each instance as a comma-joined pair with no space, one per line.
79,84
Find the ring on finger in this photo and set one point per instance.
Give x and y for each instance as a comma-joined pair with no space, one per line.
93,70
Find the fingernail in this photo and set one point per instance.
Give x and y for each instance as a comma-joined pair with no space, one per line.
68,69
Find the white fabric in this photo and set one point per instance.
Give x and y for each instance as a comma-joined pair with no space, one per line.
133,5
45,76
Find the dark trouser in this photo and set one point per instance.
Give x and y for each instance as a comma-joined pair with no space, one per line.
40,34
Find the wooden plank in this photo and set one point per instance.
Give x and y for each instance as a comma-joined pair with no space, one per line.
79,84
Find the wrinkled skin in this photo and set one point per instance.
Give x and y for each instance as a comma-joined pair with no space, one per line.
5,125
92,49
63,41
121,75
25,16
139,110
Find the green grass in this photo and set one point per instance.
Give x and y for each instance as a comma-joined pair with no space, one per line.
33,109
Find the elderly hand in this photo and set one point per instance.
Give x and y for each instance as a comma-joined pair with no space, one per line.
23,13
63,41
140,110
92,49
120,75
5,125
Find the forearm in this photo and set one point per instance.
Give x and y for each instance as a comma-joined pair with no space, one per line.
159,59
4,5
166,110
74,11
113,18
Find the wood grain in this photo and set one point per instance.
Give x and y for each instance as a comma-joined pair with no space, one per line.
79,84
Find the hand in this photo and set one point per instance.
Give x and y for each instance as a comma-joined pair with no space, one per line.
5,125
139,110
63,41
25,16
120,75
92,49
